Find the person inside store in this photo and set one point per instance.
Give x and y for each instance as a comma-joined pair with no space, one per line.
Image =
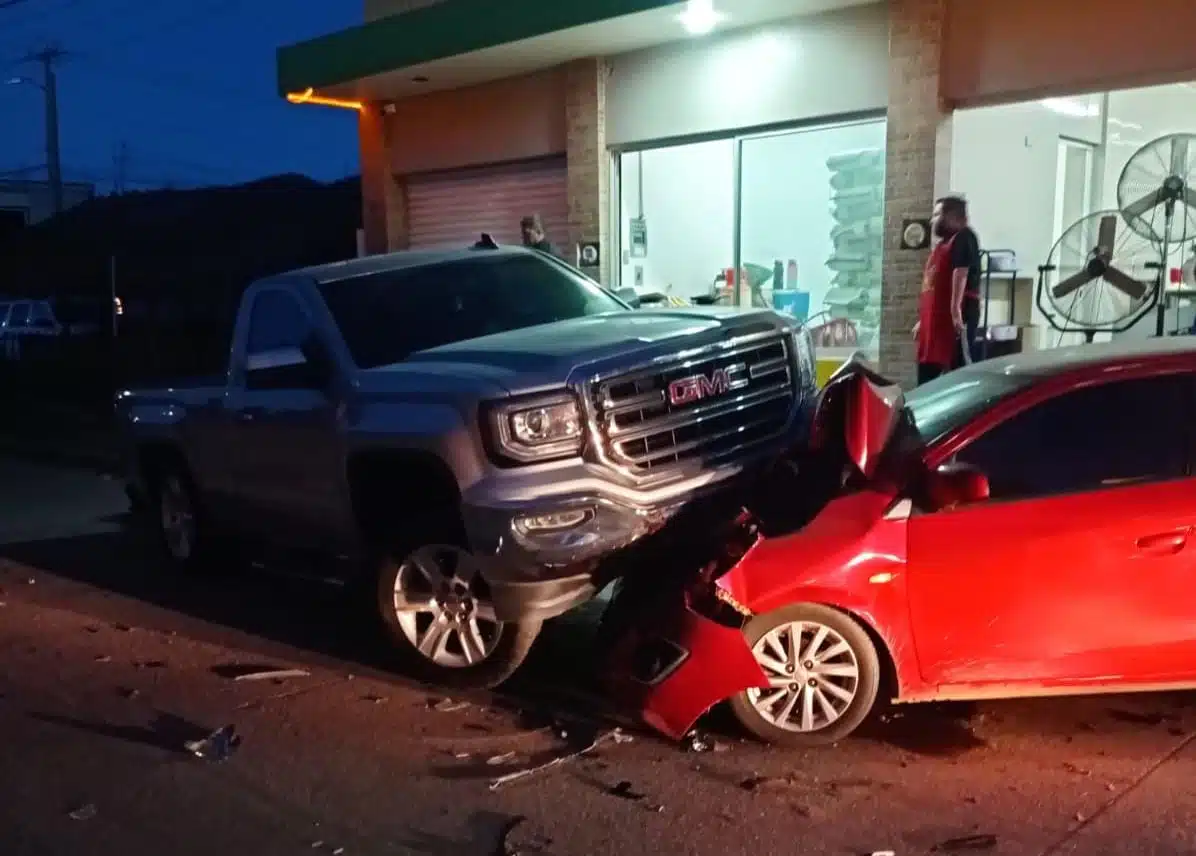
949,304
533,234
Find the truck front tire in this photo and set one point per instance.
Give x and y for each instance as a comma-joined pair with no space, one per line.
433,603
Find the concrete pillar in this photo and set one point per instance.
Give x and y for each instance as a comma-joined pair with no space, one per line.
917,167
588,160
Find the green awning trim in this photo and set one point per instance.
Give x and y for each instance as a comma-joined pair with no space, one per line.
443,30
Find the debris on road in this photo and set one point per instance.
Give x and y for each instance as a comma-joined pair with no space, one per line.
755,784
696,741
103,658
504,847
83,812
623,791
604,737
884,853
217,746
447,705
621,737
1133,716
272,675
965,843
500,759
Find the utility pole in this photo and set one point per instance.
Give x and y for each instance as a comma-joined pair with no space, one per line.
49,86
120,163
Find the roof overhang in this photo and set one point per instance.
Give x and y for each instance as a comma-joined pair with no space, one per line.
456,43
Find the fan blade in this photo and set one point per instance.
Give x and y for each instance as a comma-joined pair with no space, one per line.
1135,210
1132,288
1107,235
1179,156
1072,283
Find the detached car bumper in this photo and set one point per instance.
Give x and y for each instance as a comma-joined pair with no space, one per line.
671,667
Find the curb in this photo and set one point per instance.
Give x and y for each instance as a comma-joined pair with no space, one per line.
105,461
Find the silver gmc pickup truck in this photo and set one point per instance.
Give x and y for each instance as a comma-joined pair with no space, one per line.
481,428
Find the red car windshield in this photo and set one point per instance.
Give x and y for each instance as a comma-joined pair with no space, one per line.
941,406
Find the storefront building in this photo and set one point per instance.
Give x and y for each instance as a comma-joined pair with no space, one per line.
778,144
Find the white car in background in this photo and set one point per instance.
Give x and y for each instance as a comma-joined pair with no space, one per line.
20,319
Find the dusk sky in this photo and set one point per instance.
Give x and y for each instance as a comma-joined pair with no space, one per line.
187,85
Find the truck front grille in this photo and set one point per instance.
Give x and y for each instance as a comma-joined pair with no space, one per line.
711,406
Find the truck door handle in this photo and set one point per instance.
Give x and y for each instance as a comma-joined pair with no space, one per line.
1164,543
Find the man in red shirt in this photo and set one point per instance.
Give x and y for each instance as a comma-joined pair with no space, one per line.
949,304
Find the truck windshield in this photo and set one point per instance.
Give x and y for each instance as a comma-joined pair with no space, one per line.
386,317
949,402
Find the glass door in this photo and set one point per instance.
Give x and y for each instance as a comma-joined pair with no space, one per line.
811,226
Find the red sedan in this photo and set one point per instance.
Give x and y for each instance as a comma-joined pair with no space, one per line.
1015,528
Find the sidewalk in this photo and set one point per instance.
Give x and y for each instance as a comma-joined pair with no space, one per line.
60,436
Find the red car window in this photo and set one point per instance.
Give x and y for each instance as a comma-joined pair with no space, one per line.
1101,436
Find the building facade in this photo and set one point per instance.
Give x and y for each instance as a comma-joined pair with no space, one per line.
24,202
781,144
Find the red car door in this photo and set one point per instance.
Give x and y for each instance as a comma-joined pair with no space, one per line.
1080,566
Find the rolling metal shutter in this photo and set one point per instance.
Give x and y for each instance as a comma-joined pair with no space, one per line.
455,208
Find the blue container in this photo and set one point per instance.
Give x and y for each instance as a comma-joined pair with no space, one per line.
792,302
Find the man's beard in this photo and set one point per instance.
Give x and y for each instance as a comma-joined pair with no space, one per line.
943,230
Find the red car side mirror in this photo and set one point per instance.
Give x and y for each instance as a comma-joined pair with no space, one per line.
956,484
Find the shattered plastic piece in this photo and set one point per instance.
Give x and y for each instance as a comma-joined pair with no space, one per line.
83,812
620,736
447,705
338,851
966,842
884,853
272,674
500,759
462,756
217,746
30,581
316,845
103,658
560,759
696,741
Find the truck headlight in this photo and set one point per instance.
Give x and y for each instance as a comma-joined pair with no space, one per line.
538,429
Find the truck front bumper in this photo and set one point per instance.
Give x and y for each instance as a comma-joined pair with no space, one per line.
542,559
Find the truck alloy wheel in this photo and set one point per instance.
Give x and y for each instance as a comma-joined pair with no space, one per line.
824,674
438,610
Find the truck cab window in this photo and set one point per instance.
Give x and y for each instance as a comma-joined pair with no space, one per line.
276,321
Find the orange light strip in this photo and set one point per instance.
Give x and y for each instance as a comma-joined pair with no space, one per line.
309,96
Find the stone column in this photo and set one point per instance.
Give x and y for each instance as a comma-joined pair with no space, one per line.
917,167
383,198
588,159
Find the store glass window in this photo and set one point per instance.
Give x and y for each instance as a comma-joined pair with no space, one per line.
791,220
677,217
812,225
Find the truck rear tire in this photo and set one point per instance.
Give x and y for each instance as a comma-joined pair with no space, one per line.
179,518
434,609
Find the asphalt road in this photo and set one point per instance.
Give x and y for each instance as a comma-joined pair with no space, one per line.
108,666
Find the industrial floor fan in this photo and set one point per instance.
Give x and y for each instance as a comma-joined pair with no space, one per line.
1157,198
1101,277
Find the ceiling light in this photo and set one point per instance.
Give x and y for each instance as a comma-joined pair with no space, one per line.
700,17
1073,107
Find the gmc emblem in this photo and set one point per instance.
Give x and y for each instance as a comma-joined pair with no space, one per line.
687,390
